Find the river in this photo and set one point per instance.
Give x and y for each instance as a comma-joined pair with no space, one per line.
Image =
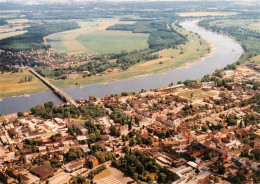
225,52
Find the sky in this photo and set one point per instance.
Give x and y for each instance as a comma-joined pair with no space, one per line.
66,1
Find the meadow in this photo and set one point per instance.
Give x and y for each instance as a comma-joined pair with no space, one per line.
11,86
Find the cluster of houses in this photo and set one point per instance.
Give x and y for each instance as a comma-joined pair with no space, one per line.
197,142
43,58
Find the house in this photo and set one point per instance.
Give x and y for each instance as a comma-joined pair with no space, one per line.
74,165
201,178
43,171
79,128
29,178
91,161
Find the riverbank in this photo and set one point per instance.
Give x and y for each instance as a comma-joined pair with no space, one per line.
195,50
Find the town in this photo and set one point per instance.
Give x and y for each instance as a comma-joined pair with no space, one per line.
192,132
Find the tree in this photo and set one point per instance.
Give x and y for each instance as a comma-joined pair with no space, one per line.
197,171
126,149
162,178
221,169
20,114
130,125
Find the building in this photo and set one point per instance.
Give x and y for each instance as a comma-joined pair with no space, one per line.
73,166
91,161
43,171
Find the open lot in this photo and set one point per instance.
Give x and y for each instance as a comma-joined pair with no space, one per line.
60,178
111,176
196,94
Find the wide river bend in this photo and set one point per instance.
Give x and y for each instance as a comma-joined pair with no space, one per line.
225,52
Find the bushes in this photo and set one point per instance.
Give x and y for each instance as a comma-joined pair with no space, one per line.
96,171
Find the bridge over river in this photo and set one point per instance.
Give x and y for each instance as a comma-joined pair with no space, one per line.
56,90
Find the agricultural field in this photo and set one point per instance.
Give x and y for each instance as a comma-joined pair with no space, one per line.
17,21
194,50
204,14
11,85
10,34
106,42
93,38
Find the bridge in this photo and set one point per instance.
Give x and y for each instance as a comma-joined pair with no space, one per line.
65,97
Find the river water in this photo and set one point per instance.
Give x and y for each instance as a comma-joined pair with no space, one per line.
225,52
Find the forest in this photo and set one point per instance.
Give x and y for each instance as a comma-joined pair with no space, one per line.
161,33
33,39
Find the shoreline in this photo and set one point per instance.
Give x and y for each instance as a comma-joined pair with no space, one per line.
185,65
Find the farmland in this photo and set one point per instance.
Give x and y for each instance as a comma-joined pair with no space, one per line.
93,38
10,34
105,42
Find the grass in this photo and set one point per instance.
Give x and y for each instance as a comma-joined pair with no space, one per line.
203,14
103,174
11,86
256,59
106,42
196,94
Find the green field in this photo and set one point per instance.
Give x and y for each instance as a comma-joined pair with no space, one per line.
11,86
103,174
105,42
